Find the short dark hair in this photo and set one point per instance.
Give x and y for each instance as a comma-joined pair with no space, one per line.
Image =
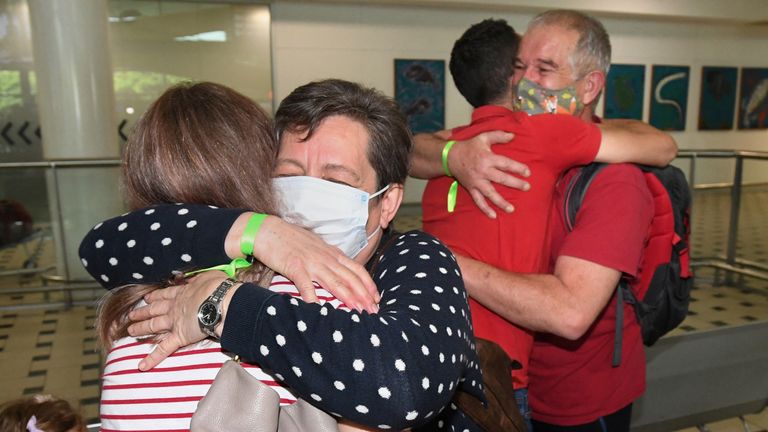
483,60
389,147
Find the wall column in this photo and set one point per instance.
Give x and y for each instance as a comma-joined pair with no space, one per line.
76,103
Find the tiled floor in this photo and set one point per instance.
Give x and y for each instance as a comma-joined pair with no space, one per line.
54,350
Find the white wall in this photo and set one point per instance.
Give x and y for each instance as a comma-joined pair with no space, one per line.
359,42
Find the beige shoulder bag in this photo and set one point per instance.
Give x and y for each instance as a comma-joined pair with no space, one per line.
237,401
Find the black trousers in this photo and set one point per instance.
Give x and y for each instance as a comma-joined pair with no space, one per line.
614,422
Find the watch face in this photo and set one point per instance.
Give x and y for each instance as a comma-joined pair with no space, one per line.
208,314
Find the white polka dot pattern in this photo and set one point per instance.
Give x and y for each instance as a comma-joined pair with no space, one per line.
342,346
320,352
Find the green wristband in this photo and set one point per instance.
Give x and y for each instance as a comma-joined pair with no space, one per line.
452,192
230,269
446,149
249,234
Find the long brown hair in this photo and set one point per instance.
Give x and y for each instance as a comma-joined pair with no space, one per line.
198,143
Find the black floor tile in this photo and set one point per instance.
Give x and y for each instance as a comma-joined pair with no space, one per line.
89,401
89,383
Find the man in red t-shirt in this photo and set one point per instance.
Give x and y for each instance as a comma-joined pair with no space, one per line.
482,65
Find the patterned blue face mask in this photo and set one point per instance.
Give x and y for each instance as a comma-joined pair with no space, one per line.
337,213
534,99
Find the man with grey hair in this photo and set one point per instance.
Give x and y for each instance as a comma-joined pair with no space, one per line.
573,385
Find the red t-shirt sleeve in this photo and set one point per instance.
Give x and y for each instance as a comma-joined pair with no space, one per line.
612,224
569,141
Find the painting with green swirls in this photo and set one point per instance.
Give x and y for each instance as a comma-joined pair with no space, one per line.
753,98
669,97
420,92
718,98
624,91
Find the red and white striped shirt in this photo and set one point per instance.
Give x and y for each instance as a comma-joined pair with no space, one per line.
164,398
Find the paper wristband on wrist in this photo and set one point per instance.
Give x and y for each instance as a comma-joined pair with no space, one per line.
230,269
453,190
249,234
446,149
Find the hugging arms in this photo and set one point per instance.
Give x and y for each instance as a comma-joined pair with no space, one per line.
400,366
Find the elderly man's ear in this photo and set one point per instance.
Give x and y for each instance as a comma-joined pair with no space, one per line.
593,84
390,203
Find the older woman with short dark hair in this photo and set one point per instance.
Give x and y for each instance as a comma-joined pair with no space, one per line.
340,170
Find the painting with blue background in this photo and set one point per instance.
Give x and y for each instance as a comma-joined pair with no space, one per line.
753,99
624,90
420,92
669,97
718,97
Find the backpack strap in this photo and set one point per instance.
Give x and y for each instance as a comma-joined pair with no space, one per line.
617,332
577,188
574,196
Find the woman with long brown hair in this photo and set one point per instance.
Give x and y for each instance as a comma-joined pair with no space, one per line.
199,143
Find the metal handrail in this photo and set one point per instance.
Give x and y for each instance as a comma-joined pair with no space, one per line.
731,263
55,194
722,153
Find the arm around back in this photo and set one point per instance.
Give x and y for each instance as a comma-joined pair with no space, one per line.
564,304
426,159
607,241
636,142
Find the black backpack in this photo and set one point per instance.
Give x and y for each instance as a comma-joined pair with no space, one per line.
661,297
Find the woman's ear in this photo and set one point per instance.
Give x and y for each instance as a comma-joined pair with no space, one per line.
390,203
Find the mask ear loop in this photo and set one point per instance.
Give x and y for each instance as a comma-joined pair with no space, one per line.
378,227
379,192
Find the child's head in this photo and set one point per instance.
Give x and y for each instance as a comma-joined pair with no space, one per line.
44,413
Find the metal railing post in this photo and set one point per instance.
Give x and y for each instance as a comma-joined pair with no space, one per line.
733,223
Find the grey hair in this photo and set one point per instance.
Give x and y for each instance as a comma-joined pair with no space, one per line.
593,49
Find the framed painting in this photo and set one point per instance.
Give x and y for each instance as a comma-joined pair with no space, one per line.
624,91
420,92
753,98
669,96
718,98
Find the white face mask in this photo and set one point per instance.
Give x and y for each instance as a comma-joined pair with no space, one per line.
337,213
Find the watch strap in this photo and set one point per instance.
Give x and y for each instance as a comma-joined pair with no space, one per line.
221,290
215,299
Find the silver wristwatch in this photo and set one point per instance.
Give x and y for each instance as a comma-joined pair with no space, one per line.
209,312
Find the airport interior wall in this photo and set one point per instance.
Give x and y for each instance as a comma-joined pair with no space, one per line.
359,42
